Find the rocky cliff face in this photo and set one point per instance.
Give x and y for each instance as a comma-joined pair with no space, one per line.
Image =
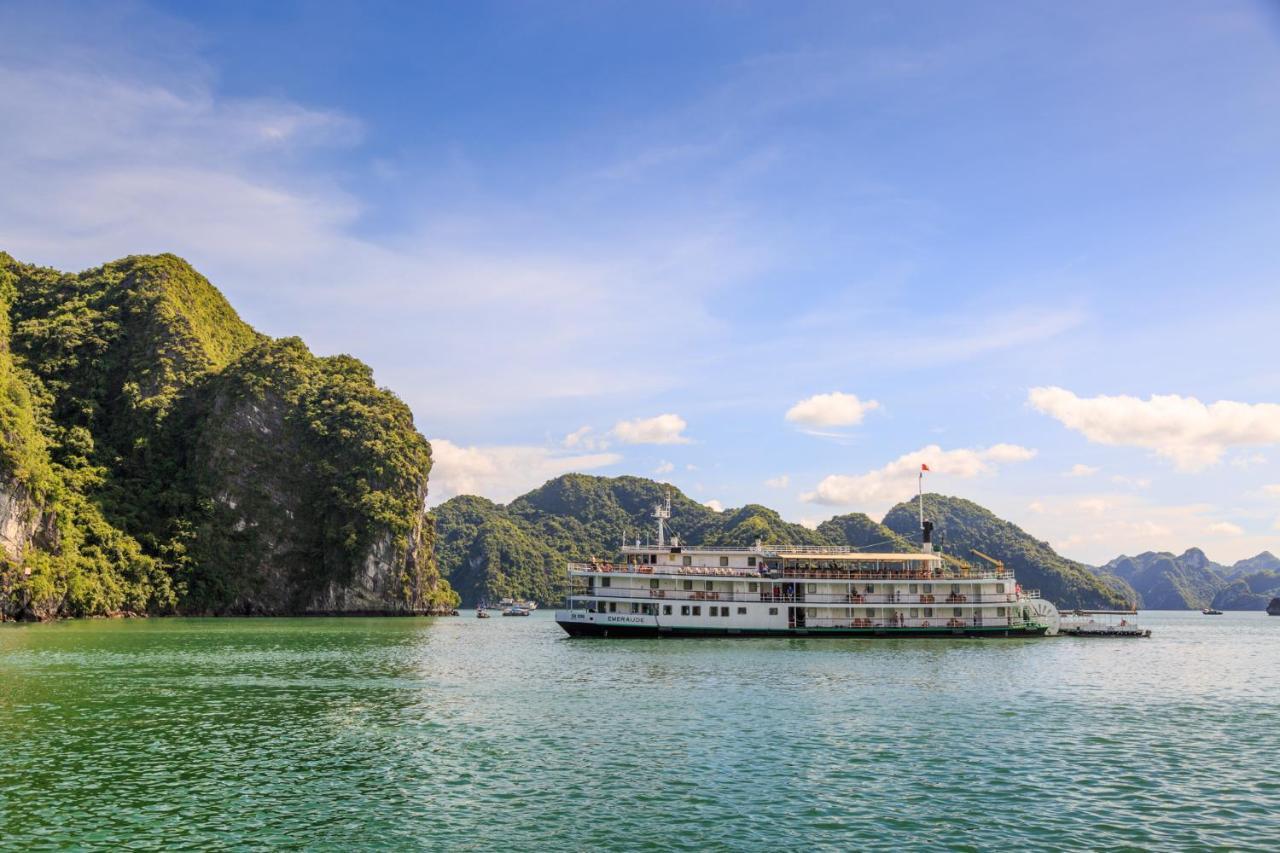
163,456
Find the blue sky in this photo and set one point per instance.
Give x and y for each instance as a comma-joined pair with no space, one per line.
634,237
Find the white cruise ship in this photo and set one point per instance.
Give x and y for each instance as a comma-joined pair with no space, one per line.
668,590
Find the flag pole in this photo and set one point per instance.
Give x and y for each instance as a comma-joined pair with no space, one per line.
920,499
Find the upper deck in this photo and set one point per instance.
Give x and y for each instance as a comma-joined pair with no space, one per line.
779,561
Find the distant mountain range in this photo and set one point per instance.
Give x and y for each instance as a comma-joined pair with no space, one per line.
1163,581
489,551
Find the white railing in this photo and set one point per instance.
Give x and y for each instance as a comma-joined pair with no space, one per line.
934,622
893,573
913,599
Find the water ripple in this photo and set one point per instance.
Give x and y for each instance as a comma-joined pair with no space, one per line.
419,733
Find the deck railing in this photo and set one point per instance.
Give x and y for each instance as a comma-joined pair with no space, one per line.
888,573
926,599
936,622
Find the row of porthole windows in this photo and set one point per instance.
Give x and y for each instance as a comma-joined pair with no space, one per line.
696,610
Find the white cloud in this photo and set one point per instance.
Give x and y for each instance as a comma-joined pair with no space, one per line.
1272,489
501,473
664,468
1037,507
1131,482
714,504
779,482
124,143
1191,434
1095,506
584,438
1100,527
894,481
660,429
1082,470
829,410
809,523
1248,460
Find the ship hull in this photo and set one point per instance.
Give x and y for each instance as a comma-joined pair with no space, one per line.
595,629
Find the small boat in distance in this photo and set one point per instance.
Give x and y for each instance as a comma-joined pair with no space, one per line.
516,610
1209,611
1113,623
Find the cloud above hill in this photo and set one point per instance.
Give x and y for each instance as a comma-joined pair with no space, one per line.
660,429
501,473
830,410
896,479
1184,430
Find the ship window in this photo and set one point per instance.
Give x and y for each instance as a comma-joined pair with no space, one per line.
871,587
956,611
999,611
613,607
684,610
753,587
928,611
649,609
915,612
871,611
915,587
666,610
724,611
635,607
811,587
715,611
928,587
686,560
697,610
605,581
708,585
686,584
653,583
724,561
751,561
811,612
773,611
742,611
955,587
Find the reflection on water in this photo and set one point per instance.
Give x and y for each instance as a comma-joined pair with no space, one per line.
466,733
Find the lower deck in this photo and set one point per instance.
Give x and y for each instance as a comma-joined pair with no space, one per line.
642,627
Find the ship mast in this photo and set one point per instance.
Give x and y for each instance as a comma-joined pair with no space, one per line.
662,513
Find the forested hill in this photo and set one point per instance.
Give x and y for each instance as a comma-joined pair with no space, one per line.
159,455
1166,581
489,551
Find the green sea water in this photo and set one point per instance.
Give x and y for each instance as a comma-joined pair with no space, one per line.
468,734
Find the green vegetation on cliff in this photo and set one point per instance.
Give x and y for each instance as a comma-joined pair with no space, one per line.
157,454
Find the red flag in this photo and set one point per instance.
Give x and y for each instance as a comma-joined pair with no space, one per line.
924,467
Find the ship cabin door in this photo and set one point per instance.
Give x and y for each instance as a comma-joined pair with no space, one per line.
795,617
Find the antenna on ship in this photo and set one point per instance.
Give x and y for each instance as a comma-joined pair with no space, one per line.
662,513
